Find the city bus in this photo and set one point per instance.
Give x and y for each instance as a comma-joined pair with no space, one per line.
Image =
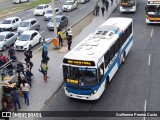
128,5
89,67
152,11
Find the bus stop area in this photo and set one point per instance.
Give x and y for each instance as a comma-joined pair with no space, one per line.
40,92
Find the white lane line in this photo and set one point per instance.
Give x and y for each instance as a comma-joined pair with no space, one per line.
47,39
41,32
145,107
151,32
149,60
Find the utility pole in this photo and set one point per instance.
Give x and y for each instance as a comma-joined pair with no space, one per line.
54,23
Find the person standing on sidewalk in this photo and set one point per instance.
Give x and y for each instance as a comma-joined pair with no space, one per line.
111,2
25,90
107,4
69,38
103,9
60,37
44,48
97,9
29,77
44,69
15,98
11,53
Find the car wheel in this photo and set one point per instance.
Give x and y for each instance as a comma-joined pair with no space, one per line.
4,47
38,27
43,13
40,40
30,46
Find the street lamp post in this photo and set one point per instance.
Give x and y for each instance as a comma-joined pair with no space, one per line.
54,23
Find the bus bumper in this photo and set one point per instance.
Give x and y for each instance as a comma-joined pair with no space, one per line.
133,9
83,97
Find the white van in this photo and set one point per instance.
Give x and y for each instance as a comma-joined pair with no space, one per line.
19,1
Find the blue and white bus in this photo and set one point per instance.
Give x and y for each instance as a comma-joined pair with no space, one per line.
128,5
90,66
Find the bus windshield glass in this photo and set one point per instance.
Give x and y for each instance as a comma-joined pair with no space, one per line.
80,76
128,3
153,9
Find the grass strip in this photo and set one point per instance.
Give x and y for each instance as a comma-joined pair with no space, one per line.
22,6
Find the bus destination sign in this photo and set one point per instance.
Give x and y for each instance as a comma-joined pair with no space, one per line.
79,62
153,2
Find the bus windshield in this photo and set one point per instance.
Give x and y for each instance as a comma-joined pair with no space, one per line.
128,3
153,9
80,76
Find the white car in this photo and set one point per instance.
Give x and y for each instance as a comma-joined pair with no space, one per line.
10,24
69,5
27,40
49,14
20,1
41,9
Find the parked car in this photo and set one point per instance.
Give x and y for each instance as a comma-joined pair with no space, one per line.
27,40
41,9
61,21
49,14
7,38
83,1
69,5
20,1
10,24
29,24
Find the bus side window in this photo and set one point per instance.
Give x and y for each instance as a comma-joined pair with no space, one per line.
101,71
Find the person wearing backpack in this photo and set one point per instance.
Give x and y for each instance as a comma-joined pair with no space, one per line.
44,69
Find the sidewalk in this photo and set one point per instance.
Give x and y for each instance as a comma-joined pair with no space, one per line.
41,91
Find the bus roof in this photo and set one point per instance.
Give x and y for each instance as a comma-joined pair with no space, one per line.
93,47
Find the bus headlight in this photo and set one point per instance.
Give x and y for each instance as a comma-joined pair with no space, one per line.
94,92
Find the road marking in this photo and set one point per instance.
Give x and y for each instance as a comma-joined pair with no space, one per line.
151,32
47,39
145,107
149,60
41,32
82,7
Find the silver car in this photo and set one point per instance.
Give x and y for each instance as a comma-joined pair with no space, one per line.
7,38
49,14
29,24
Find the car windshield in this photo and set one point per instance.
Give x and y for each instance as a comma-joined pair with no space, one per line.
69,3
58,19
24,37
25,24
1,37
153,8
7,22
40,7
49,11
80,76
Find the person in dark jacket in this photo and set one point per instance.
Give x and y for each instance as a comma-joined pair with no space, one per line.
29,77
103,9
15,98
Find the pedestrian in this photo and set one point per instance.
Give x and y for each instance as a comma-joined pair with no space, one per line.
25,91
107,4
20,68
103,9
5,110
44,48
44,69
9,67
11,53
69,38
28,55
30,65
111,2
97,9
29,77
15,98
3,58
60,37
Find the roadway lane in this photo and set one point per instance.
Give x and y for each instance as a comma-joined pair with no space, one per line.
135,87
75,15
